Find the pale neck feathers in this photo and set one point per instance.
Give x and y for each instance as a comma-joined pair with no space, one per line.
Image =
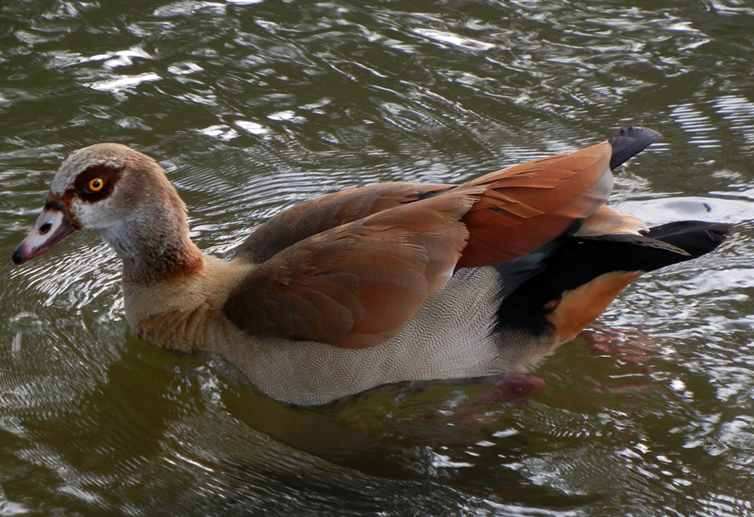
152,234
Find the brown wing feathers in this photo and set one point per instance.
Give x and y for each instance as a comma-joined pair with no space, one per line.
528,205
608,221
324,213
358,284
352,268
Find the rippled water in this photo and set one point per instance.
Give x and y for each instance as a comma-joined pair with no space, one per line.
253,106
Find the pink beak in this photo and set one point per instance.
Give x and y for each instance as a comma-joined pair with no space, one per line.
53,225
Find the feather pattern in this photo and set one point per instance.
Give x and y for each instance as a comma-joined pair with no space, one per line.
321,214
352,269
355,285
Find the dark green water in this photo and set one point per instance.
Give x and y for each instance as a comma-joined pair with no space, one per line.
255,106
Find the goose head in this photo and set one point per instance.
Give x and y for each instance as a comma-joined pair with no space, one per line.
124,194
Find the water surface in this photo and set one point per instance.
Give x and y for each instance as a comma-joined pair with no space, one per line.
254,106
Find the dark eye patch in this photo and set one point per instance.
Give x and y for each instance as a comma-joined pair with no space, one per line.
108,173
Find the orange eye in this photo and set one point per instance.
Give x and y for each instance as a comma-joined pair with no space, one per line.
96,185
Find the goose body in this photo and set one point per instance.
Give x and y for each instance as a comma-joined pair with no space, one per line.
380,284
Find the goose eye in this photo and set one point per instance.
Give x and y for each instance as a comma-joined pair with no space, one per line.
96,185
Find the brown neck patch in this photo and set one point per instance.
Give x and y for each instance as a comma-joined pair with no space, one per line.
170,264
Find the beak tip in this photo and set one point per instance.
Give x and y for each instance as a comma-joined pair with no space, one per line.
52,226
18,257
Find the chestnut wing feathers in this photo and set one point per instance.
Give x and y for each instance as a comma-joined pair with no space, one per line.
355,285
528,205
352,268
321,214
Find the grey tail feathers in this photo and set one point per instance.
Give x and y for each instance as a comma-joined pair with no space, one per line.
630,141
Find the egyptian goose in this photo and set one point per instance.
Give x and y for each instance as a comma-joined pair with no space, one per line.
375,285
